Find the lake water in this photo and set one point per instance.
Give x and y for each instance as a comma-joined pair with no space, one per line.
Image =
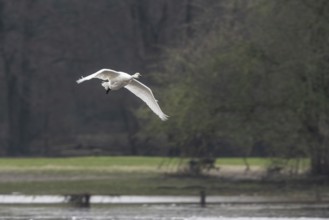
286,211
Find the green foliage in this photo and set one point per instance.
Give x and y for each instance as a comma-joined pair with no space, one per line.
259,74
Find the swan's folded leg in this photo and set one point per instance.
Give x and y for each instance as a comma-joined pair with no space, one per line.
108,90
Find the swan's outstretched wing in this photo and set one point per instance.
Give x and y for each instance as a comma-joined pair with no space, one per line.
103,74
145,93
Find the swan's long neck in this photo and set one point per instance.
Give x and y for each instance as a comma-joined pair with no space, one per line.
136,75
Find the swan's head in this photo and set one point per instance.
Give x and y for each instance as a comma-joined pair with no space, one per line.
136,75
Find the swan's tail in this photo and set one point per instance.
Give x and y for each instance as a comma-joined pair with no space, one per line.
163,117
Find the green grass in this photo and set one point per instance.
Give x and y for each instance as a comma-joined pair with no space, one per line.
260,162
240,161
124,176
84,164
116,161
80,162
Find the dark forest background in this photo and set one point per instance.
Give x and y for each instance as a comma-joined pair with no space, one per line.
238,78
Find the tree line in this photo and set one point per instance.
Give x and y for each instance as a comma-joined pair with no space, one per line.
255,73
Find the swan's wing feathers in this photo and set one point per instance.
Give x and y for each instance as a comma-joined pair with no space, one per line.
145,93
103,74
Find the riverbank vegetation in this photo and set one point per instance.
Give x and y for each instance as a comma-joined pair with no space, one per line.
238,79
145,176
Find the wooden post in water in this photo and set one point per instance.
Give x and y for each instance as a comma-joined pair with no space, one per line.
86,200
203,198
80,200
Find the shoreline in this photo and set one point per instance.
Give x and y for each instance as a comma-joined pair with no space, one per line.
20,199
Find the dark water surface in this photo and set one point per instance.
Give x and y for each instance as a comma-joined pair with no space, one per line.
168,212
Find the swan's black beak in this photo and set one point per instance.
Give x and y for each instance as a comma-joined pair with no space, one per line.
108,90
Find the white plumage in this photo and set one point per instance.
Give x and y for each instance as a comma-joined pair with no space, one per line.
114,80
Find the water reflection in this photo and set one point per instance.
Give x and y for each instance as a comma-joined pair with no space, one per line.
168,212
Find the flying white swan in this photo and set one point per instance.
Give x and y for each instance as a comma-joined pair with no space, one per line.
114,80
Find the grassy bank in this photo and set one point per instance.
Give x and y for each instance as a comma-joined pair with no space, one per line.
135,176
119,162
81,163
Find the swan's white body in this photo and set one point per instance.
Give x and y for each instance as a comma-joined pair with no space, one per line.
114,80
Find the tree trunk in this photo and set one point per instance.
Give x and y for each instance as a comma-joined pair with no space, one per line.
320,160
